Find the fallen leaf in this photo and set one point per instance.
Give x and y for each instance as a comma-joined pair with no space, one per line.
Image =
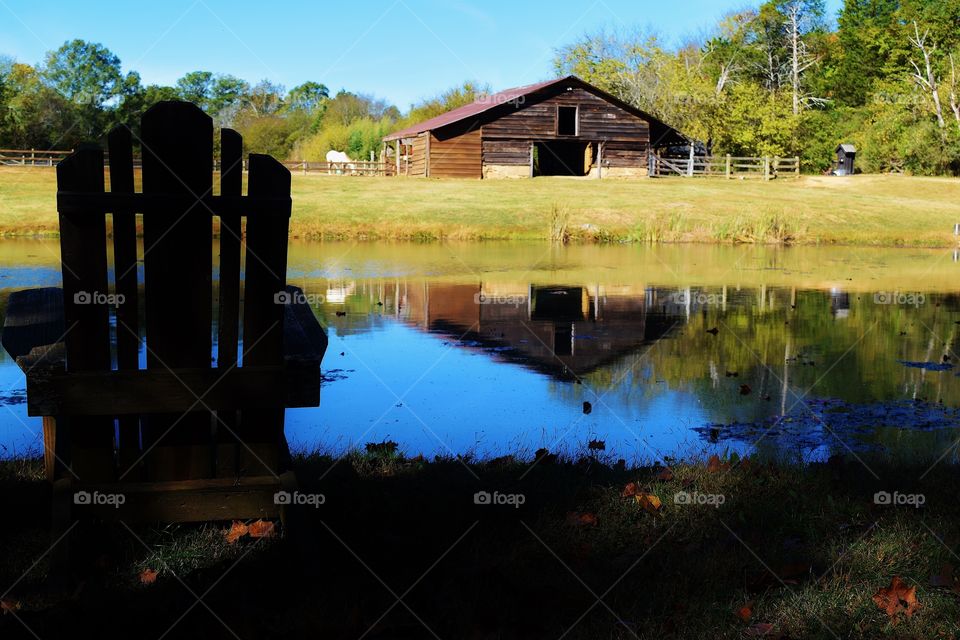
896,598
237,530
9,606
649,502
148,576
759,629
745,389
581,519
713,464
666,475
587,407
745,611
631,489
262,529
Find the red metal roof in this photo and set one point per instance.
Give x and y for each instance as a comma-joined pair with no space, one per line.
482,104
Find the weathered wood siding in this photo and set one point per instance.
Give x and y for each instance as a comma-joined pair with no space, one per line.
455,154
626,136
418,157
506,151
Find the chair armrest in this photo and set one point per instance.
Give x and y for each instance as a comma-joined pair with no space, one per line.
33,328
304,340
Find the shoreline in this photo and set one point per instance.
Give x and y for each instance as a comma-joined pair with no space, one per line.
867,210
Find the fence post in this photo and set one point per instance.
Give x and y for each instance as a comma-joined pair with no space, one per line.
728,167
776,167
766,167
797,170
304,166
690,165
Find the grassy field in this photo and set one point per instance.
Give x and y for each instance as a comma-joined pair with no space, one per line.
864,210
760,549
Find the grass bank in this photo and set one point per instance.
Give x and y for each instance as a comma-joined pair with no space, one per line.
594,549
862,210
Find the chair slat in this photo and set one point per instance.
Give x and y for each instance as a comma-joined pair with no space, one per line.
120,145
83,253
231,184
177,141
263,311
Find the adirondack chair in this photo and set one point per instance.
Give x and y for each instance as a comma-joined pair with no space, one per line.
185,433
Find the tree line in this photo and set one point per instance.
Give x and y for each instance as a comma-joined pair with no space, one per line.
781,79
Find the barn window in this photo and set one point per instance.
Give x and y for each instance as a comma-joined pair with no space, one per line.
567,121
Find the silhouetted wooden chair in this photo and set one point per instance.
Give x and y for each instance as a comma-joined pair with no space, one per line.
139,405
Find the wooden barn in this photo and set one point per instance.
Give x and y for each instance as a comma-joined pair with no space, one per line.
561,127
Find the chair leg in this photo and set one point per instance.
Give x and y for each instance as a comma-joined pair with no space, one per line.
49,447
61,523
288,483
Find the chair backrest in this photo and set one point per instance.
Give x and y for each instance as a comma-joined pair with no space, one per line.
179,211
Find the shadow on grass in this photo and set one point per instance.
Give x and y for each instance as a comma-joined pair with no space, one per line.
405,548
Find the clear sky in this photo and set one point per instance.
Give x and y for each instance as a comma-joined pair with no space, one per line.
401,50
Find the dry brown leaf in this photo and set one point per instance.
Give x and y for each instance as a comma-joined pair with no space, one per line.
649,502
237,530
262,529
631,489
148,576
9,606
745,611
665,475
581,519
713,464
896,598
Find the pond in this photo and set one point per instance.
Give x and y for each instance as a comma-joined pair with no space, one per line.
657,351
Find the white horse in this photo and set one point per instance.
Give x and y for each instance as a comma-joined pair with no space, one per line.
341,158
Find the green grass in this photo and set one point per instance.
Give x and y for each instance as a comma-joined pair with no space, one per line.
864,210
804,543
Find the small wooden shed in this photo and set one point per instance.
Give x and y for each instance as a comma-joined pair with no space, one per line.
846,154
559,127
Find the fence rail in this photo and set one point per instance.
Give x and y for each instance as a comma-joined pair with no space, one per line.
729,167
34,158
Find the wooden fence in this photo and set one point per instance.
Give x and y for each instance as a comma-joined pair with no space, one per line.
34,158
728,167
352,168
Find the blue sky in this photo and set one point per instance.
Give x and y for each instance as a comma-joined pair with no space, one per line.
401,50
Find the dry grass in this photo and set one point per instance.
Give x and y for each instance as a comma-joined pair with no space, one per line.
865,210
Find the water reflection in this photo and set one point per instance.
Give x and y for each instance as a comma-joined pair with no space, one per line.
679,350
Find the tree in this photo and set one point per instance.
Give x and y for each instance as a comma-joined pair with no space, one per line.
196,87
86,73
802,18
266,98
867,35
309,96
